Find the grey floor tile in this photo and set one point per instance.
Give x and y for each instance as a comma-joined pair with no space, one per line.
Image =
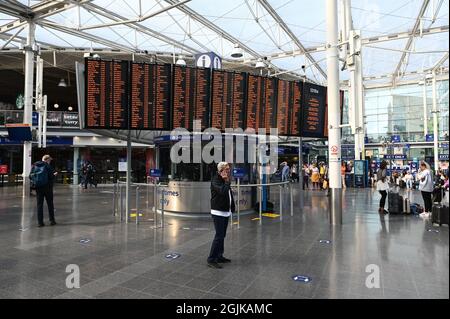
228,289
160,289
116,293
185,293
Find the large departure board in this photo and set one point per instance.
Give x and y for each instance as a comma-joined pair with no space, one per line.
191,96
289,107
150,96
106,94
261,103
228,98
313,110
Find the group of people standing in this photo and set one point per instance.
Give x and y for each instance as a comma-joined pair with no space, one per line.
317,174
426,184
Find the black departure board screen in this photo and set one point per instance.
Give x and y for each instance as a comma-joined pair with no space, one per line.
228,98
191,96
288,107
261,103
269,112
106,94
313,110
150,96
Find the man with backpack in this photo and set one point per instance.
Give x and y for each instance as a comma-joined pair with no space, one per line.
42,175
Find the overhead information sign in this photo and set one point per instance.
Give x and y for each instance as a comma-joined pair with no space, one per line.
313,110
191,96
150,96
261,103
228,99
106,94
289,107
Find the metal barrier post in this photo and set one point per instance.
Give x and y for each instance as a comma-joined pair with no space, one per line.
137,205
239,202
114,199
162,208
281,202
292,199
121,203
155,204
260,205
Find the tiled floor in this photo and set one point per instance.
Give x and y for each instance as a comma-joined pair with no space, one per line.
128,261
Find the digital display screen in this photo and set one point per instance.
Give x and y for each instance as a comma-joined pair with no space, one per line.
150,96
261,103
313,110
288,107
106,94
191,97
228,99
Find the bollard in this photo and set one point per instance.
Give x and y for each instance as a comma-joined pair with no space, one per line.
239,202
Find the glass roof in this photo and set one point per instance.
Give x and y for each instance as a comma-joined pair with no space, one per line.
263,28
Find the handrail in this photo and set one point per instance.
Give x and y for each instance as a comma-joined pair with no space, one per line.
232,185
160,185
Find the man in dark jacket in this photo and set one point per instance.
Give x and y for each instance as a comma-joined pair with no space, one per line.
222,206
43,175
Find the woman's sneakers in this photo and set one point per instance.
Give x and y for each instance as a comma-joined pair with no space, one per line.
425,215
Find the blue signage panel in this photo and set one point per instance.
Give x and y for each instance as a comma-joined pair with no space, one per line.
429,137
35,119
238,172
443,157
395,138
443,145
154,172
395,156
208,60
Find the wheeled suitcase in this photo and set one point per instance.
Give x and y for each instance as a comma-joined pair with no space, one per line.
439,214
406,206
395,203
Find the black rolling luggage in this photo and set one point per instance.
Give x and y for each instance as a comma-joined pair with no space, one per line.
439,212
395,202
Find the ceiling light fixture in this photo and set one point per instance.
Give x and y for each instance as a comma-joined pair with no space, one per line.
180,61
62,83
237,52
260,64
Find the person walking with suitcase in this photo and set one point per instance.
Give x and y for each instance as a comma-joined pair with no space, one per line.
43,175
382,185
426,188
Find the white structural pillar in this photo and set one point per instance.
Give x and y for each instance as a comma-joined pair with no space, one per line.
334,133
425,108
76,156
435,125
28,101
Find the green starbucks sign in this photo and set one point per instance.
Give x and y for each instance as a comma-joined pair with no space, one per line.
20,102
